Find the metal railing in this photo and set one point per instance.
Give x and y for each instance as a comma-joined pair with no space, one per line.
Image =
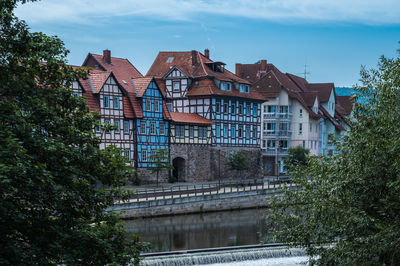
214,188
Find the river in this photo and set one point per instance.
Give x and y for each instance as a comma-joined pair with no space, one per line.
197,231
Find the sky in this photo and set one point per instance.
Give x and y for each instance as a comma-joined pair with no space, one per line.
332,38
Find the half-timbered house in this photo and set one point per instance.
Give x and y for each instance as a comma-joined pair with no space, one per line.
131,102
195,84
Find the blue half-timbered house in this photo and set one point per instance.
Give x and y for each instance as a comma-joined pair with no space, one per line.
153,126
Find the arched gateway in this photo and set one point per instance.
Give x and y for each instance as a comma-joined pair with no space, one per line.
179,168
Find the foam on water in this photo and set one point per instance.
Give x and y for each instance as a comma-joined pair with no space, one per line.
274,256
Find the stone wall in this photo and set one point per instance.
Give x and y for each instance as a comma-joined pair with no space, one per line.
206,203
208,163
197,161
147,176
219,169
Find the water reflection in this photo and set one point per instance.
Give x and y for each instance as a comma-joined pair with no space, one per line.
219,229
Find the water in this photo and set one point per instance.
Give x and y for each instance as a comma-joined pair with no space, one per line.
197,231
259,256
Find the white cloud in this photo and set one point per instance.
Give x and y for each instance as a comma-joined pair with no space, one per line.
86,11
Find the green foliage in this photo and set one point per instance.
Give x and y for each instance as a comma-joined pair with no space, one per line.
237,161
352,199
52,172
160,161
297,157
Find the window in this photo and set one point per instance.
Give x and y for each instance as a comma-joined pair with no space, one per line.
152,128
247,132
147,105
217,131
218,107
162,129
248,109
116,102
304,143
106,101
301,113
169,107
271,126
169,59
225,86
240,109
271,144
127,154
310,127
202,132
283,109
271,109
226,131
144,156
300,128
107,122
225,108
180,132
117,125
264,143
233,132
233,109
97,127
156,106
176,86
126,126
191,132
254,132
244,88
283,144
255,109
240,132
142,127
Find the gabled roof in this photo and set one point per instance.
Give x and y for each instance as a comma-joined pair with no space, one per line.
123,71
324,90
346,102
193,64
326,114
283,81
208,87
188,118
196,66
141,85
97,79
310,97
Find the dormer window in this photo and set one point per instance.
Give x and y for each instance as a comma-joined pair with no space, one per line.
177,86
244,88
225,86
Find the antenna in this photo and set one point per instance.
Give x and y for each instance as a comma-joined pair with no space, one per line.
305,73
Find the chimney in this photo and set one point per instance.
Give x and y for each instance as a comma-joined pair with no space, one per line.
207,53
107,56
238,69
194,57
263,66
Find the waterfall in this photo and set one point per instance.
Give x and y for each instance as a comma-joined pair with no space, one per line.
207,258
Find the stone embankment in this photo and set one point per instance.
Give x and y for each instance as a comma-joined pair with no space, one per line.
220,198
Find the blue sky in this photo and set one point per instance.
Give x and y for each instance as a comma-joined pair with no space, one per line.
334,38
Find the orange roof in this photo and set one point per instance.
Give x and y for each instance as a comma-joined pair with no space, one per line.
189,118
166,113
123,71
141,85
195,65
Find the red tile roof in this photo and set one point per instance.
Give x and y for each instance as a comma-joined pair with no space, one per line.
189,118
324,90
345,102
196,66
123,71
128,112
166,113
141,85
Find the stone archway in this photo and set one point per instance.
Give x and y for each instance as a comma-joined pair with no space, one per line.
179,168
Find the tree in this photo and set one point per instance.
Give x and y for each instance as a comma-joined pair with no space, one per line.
297,156
237,161
51,207
346,208
160,161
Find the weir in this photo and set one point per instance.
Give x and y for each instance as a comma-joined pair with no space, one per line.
276,254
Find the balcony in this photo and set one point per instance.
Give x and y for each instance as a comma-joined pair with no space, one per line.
276,116
282,134
272,152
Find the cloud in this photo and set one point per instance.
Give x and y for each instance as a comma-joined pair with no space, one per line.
373,12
